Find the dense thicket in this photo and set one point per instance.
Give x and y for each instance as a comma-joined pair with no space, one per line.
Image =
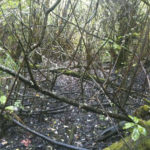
93,55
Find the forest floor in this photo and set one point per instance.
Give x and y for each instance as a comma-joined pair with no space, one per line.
60,121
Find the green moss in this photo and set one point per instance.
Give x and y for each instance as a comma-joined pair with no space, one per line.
142,111
142,144
145,107
120,145
115,146
84,75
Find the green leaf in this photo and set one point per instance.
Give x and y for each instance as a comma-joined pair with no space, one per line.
128,125
101,117
135,119
135,134
116,46
3,100
11,108
119,37
135,34
142,130
18,104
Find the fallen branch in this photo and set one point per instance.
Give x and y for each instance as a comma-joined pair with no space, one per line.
90,77
53,142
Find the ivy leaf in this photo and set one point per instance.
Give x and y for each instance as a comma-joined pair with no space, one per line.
135,134
128,125
3,100
142,130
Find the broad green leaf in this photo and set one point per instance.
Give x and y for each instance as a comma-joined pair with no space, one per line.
135,119
11,108
3,100
128,125
135,134
142,130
